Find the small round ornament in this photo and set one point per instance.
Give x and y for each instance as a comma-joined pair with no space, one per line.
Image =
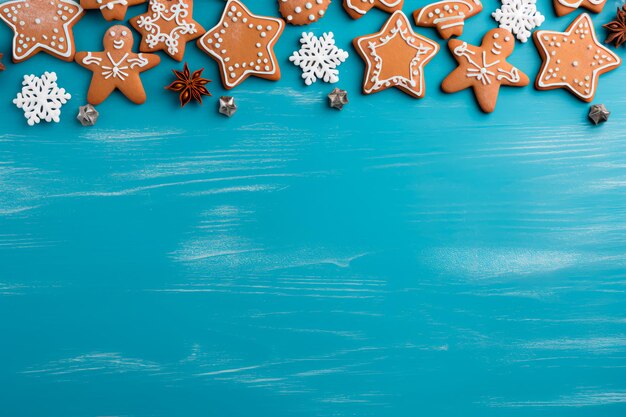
302,12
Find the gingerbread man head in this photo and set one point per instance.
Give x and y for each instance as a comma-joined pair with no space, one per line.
118,38
499,42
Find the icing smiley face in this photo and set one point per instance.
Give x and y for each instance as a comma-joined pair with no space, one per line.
499,41
118,38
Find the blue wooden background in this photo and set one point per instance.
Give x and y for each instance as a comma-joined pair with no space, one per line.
399,258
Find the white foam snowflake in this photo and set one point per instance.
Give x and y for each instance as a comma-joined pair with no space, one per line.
519,16
319,58
41,98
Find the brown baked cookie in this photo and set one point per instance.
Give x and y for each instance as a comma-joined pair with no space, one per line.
395,57
484,68
302,12
358,8
563,7
167,26
42,25
243,44
447,16
117,67
110,9
573,59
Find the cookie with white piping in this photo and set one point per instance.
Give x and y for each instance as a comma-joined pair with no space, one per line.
447,16
574,59
110,9
302,12
242,43
357,8
42,25
117,67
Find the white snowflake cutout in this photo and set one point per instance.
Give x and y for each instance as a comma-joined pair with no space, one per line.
519,16
41,98
319,58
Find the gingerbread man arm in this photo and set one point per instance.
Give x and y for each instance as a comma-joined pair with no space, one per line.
509,75
143,62
89,60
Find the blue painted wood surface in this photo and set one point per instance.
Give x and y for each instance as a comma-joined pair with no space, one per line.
402,257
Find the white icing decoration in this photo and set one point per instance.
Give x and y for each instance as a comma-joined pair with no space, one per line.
229,20
359,10
116,69
178,11
57,10
425,49
576,4
519,17
111,4
453,13
581,27
319,58
41,98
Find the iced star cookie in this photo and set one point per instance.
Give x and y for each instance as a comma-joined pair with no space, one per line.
243,44
358,8
484,68
302,12
168,26
563,7
117,67
395,57
42,25
573,59
447,16
110,9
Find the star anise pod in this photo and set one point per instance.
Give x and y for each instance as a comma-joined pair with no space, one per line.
617,28
2,68
190,86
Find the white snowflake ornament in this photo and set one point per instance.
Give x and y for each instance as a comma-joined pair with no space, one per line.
319,58
519,17
41,98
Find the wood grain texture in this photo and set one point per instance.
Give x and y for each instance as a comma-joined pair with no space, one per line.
401,257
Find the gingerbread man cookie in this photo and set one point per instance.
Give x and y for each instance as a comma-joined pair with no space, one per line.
302,12
358,8
447,16
117,67
395,57
168,26
42,25
573,59
243,45
484,68
563,7
110,9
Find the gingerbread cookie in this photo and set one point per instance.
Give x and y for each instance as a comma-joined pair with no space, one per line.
110,9
302,12
117,67
168,26
395,57
484,68
243,45
447,16
573,59
563,7
358,8
42,25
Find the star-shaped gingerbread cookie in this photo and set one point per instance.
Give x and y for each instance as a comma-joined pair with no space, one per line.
110,9
573,59
484,68
117,67
395,57
563,7
42,25
358,8
243,45
168,26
